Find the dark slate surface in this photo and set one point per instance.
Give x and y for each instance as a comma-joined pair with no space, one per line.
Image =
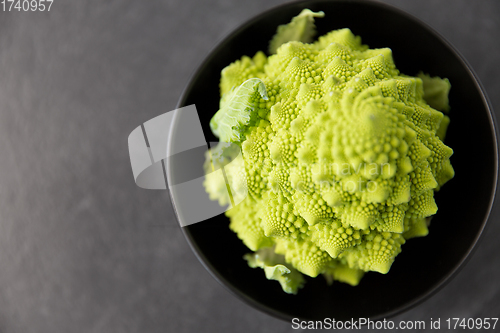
82,249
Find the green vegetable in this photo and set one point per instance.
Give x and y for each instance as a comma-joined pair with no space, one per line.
341,155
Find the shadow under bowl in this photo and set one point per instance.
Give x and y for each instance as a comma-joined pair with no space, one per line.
425,264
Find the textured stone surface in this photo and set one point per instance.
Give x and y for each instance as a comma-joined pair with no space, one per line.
82,249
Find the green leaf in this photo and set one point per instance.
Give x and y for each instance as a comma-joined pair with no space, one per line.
237,111
276,268
301,29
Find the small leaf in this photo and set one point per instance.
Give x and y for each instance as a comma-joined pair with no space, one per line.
238,112
301,29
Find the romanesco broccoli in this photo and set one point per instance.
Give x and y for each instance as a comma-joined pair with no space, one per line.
342,154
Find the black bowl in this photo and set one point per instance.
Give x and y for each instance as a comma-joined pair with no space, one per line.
425,264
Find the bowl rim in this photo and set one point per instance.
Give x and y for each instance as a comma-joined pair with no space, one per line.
491,120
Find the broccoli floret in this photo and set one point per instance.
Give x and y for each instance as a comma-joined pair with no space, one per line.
341,154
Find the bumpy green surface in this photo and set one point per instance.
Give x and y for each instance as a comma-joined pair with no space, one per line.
341,157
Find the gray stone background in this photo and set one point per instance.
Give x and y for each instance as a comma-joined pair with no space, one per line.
82,249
